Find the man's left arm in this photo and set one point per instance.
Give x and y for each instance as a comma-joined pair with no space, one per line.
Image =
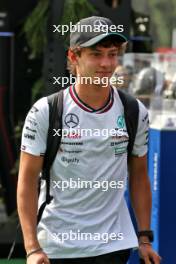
140,192
139,187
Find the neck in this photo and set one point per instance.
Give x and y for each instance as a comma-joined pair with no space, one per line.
93,95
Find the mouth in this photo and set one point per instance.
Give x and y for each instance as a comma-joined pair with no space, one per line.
103,72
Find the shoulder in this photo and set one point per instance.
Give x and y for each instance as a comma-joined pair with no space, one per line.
41,104
126,98
39,108
142,107
39,113
35,128
143,112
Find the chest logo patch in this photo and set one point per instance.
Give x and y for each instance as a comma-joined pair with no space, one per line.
71,120
120,121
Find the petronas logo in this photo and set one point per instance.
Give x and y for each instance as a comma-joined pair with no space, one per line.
121,121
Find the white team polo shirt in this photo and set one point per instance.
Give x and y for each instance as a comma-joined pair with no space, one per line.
88,215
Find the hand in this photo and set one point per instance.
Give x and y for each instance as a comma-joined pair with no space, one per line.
38,258
148,255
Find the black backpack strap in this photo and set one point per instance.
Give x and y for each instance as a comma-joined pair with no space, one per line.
131,113
55,102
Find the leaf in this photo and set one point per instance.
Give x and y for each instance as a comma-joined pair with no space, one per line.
35,28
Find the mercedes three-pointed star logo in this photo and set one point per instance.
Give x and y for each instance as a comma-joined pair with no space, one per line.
100,22
71,120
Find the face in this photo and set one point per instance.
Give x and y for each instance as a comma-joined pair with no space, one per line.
97,62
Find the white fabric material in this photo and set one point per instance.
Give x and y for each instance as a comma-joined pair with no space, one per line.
92,211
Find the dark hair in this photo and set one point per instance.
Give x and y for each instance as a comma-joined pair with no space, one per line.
108,42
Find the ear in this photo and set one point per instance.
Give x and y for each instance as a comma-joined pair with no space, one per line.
123,48
72,56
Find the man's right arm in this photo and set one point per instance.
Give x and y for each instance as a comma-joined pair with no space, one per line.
27,201
33,146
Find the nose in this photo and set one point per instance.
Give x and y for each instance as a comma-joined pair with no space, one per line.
105,61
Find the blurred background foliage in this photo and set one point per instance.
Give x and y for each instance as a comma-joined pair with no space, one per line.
36,23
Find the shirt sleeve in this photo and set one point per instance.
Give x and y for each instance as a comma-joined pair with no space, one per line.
140,147
35,129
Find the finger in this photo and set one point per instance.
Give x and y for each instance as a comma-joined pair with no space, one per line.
156,259
146,260
45,261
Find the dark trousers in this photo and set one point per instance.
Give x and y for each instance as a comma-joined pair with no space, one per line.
118,257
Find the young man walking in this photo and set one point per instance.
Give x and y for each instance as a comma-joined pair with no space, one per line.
87,221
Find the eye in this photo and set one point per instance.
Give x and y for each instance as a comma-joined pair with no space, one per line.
113,54
96,54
